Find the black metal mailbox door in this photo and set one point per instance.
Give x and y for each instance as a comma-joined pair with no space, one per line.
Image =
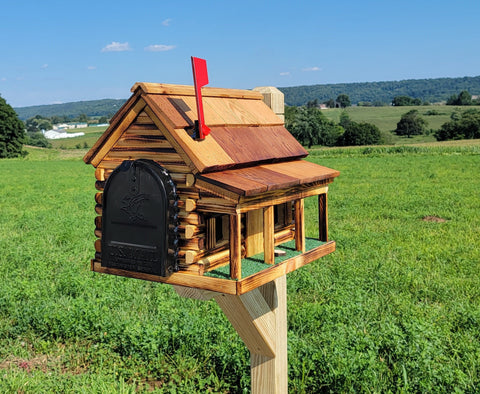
140,219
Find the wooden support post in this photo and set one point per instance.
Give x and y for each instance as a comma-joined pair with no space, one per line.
299,226
269,235
260,318
235,246
196,294
322,218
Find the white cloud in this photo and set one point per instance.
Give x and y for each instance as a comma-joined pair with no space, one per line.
117,47
159,48
91,67
166,22
45,66
285,73
3,79
312,69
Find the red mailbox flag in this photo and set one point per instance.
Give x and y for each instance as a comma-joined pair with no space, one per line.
200,78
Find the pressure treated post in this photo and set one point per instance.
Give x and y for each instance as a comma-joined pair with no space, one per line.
260,318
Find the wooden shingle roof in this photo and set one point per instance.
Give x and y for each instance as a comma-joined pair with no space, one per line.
244,130
255,180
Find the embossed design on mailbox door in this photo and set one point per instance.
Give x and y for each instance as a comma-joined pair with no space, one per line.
140,219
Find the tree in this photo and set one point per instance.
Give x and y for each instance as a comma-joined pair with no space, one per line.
12,132
344,120
83,118
402,101
38,139
310,127
343,101
463,98
37,124
361,134
330,103
411,123
461,126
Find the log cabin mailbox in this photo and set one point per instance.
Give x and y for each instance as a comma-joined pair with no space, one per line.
219,217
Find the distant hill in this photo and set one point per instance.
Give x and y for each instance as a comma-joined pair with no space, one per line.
105,107
431,90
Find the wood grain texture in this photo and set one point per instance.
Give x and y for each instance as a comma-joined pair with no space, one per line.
299,225
235,247
196,294
269,235
254,236
113,133
270,374
178,278
256,180
114,121
253,320
262,201
254,145
188,90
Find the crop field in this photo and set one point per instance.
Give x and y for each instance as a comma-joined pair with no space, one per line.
396,308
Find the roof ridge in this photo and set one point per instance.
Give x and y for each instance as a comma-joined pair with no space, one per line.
188,90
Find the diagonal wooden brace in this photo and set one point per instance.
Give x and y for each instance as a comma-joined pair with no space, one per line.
252,318
260,318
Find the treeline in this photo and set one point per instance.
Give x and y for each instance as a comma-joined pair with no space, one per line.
463,124
378,93
38,123
69,111
311,127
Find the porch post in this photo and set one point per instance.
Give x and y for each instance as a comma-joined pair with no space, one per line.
269,235
322,217
299,225
235,246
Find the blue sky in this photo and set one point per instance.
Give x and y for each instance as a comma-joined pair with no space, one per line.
61,51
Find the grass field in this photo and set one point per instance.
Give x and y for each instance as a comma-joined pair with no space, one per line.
395,309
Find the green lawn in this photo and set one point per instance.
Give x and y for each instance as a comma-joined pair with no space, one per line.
396,308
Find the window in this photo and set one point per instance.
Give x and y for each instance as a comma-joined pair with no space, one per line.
218,231
283,215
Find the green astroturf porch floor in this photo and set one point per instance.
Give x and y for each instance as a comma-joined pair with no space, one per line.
254,264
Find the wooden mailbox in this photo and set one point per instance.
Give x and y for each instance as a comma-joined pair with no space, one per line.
221,217
238,194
